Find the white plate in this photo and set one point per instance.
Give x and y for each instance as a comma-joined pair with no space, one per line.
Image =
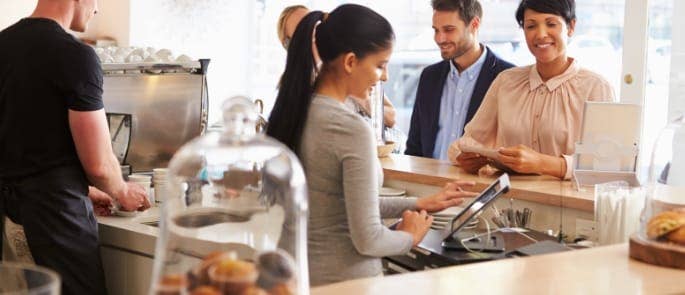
388,191
449,212
443,218
125,213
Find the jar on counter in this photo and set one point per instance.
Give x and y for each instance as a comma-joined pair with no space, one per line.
662,223
234,218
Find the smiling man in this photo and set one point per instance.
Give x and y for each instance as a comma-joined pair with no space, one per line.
450,92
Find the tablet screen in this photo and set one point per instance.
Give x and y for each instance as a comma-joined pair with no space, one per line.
494,190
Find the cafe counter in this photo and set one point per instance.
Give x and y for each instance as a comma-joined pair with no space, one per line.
600,270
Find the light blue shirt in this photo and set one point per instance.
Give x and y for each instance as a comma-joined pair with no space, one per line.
454,104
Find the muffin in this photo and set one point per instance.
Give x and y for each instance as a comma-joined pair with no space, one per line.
664,223
282,289
233,276
275,267
254,290
200,276
172,285
205,290
677,236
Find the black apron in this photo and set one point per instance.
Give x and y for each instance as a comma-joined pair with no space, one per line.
61,230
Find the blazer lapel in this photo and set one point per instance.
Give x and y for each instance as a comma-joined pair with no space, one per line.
436,94
486,76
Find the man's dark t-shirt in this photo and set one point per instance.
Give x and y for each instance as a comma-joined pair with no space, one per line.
44,73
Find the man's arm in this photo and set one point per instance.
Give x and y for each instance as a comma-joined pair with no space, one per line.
90,133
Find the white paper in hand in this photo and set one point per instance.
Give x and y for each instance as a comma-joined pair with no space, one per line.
483,151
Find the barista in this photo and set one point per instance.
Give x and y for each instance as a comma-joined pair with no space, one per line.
54,142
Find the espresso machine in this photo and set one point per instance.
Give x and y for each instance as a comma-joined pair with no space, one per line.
120,135
153,109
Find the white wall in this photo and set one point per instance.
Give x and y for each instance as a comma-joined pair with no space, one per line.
13,10
111,20
214,29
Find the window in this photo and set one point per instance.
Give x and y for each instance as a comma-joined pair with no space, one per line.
662,92
596,43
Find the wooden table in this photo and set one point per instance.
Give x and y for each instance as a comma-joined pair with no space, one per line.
602,270
540,189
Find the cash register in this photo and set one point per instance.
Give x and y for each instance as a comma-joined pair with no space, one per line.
455,245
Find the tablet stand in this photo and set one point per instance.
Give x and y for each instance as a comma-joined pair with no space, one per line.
479,243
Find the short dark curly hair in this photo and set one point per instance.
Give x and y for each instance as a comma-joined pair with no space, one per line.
467,9
564,8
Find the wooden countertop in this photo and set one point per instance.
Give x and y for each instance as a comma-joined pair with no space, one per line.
540,189
602,270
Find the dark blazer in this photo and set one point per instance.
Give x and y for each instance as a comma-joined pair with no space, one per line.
424,119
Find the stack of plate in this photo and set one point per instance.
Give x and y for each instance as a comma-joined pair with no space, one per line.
443,218
392,192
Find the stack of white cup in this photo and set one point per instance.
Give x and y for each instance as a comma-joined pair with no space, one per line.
144,181
159,182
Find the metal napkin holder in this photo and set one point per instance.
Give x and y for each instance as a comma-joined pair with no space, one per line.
606,156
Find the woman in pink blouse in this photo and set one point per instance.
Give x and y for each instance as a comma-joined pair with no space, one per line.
532,114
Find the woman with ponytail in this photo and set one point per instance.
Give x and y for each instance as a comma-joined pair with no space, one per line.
337,148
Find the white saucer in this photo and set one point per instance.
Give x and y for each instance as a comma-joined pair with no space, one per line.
449,212
443,218
125,213
388,191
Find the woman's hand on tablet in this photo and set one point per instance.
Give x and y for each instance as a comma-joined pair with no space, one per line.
452,194
416,224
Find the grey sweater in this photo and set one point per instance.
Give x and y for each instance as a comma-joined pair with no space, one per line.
345,235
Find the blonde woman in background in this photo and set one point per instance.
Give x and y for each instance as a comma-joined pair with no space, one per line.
288,21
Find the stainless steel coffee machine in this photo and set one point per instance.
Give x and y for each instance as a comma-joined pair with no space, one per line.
167,104
120,133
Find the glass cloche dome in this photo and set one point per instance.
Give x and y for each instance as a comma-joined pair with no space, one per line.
663,217
234,221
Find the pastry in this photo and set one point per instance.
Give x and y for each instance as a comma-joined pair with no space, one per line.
233,276
664,223
254,290
282,289
171,285
205,290
677,236
275,267
199,276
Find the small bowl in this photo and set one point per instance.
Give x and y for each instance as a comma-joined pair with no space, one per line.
386,149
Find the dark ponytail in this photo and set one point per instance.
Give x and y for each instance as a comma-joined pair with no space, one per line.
289,114
348,28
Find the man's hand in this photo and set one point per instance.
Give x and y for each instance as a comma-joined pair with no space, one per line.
102,202
451,195
133,198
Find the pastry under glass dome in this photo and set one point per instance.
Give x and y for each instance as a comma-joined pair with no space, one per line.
661,238
234,219
666,191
